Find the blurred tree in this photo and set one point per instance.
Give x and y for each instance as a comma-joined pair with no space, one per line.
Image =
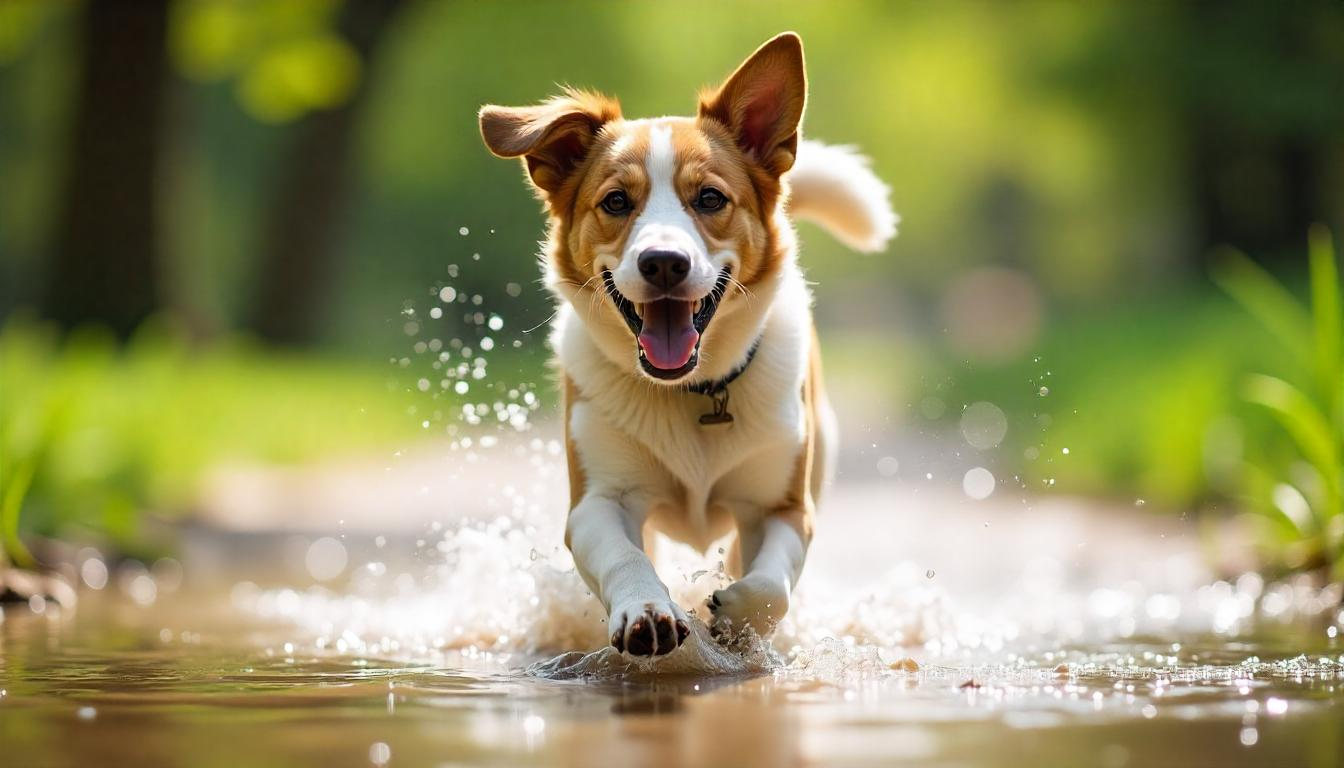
1253,95
106,254
1263,102
296,268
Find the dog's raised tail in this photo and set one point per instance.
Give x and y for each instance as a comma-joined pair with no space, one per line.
835,187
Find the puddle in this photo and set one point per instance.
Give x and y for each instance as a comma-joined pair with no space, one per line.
192,681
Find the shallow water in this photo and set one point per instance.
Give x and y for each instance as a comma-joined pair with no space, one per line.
484,653
926,631
206,677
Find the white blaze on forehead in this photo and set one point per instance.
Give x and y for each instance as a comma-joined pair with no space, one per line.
664,222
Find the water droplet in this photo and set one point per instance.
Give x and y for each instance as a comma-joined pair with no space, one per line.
325,559
463,231
984,425
931,407
1043,391
978,483
929,574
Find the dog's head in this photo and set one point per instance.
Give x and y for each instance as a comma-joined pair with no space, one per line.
654,221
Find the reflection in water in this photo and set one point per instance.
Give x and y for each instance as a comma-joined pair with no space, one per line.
233,690
194,680
480,645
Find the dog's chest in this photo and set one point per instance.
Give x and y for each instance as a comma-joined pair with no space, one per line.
767,418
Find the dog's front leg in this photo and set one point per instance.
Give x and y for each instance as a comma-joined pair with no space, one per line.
773,547
607,542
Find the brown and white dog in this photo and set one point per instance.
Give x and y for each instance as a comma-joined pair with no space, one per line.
671,255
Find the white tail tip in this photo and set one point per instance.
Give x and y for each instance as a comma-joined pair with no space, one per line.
836,188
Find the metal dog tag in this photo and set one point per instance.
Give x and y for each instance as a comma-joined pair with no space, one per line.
720,414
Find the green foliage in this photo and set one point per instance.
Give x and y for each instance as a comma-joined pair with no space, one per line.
92,436
1137,394
19,21
284,57
1014,134
1297,480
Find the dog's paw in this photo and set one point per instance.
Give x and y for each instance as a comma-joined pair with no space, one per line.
753,601
651,628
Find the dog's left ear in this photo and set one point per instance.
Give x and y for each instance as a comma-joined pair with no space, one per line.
762,102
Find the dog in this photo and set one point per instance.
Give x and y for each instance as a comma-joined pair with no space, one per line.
693,401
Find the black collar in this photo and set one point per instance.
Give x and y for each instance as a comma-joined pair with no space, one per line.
717,390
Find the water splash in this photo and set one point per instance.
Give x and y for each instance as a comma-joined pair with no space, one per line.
504,588
700,656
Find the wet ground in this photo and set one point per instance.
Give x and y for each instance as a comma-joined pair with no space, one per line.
927,631
191,682
421,610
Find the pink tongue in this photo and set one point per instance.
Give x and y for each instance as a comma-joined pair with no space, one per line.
668,337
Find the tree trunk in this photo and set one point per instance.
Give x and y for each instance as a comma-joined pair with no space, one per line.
298,263
106,259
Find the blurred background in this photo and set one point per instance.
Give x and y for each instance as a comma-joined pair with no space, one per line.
226,228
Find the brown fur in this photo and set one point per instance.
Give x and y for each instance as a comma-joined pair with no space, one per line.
578,483
576,148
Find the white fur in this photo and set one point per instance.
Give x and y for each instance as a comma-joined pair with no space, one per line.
645,458
641,444
665,223
835,187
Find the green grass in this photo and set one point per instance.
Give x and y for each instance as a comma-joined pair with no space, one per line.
1226,401
1295,477
93,434
1142,395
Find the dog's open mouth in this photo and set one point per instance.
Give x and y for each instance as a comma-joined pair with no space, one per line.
668,330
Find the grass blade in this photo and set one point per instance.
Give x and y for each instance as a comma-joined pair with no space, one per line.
1328,317
1307,426
16,486
1266,300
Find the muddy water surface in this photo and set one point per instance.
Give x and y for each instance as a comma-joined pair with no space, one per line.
196,680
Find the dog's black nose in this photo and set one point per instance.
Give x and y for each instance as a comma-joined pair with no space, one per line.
664,267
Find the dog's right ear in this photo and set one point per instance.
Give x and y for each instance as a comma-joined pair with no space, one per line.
552,137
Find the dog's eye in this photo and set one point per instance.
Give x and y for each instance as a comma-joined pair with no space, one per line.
710,200
616,203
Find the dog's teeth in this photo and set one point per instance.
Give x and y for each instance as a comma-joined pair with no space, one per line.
641,353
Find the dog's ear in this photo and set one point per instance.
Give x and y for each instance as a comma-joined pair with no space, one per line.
762,102
552,137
